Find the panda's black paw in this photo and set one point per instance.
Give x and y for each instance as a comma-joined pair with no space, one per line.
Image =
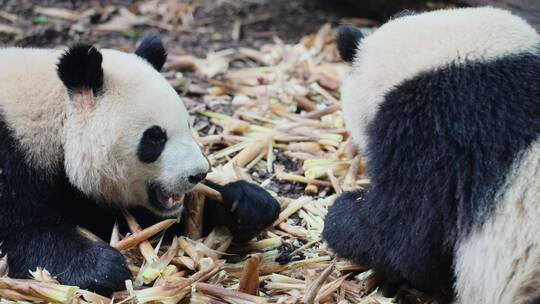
344,227
253,208
98,268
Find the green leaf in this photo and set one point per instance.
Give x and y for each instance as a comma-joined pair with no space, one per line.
40,19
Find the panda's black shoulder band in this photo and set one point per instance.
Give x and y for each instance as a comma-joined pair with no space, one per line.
152,50
80,68
348,38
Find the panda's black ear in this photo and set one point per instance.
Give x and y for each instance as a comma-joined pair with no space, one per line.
348,38
152,50
80,69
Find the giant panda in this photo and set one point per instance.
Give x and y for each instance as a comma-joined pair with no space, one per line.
446,107
85,133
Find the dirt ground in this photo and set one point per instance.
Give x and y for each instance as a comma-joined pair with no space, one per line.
193,26
198,26
190,26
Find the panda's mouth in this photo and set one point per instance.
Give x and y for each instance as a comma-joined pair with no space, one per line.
163,201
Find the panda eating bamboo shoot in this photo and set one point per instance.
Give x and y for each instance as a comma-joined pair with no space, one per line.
86,133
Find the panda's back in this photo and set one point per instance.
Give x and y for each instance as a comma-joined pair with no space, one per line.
19,62
28,75
465,122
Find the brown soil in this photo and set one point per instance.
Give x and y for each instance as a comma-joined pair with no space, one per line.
210,28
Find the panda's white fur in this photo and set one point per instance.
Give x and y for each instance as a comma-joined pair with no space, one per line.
495,242
97,143
500,263
396,52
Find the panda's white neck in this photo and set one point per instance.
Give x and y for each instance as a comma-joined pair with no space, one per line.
33,102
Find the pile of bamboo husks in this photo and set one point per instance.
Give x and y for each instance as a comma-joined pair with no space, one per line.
271,116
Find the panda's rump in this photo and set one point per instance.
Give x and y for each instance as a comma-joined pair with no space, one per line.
499,262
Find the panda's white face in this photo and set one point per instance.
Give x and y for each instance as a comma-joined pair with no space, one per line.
407,46
132,145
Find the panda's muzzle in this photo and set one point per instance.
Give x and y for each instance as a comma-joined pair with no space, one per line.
164,201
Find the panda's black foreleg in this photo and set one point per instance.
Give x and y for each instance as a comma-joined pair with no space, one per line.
349,231
367,230
346,230
247,210
67,255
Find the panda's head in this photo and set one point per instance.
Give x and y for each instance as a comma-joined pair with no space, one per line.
126,136
411,44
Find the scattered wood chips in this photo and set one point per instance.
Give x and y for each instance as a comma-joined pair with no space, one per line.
272,116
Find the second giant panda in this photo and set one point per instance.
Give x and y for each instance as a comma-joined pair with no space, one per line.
83,133
446,106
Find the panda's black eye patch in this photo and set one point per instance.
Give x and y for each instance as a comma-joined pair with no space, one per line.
152,144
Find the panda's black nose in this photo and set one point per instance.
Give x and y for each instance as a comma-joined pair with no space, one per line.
194,179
